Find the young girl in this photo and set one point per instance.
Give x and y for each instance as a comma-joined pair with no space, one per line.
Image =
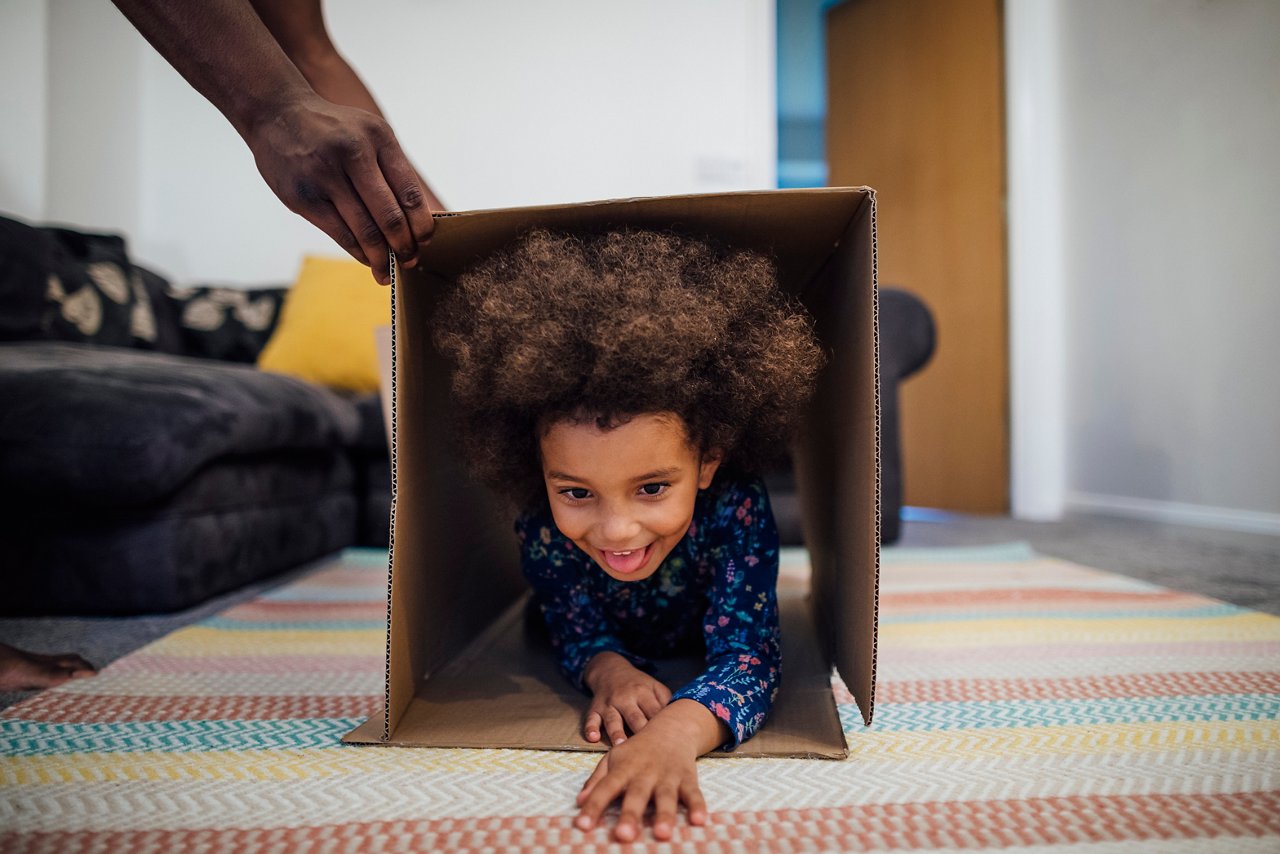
624,390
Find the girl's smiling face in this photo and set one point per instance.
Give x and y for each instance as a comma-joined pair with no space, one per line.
624,495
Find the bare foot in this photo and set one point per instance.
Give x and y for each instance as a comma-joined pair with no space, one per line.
21,670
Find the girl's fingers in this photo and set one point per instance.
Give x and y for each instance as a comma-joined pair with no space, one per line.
613,726
691,794
602,768
591,726
663,693
637,718
633,806
601,795
665,803
651,705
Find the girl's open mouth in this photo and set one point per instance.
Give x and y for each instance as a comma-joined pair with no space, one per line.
628,561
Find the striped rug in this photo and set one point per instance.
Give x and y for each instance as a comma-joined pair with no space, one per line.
1024,703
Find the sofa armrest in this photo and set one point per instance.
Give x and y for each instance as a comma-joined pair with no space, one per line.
907,339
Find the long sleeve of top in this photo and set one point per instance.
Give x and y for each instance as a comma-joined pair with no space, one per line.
716,590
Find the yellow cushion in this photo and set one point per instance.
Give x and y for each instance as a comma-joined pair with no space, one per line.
326,328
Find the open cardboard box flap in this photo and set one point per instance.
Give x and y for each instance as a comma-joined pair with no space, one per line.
460,670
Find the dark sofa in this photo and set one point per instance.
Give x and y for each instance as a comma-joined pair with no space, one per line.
146,464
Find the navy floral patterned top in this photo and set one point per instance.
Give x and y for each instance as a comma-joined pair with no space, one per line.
716,590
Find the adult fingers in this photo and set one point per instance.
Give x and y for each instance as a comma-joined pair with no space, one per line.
633,806
663,693
613,726
366,232
321,213
691,794
378,198
410,192
665,803
591,726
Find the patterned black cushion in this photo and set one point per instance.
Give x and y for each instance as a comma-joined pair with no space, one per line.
228,324
64,285
57,284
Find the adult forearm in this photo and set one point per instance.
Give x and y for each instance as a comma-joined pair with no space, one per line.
196,38
339,167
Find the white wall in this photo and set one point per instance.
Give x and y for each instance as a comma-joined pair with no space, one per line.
24,97
498,103
1167,127
93,166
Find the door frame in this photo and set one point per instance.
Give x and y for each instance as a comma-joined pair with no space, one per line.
1036,220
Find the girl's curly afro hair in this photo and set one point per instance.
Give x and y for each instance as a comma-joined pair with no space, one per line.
604,327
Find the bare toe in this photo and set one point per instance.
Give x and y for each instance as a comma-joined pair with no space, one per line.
21,670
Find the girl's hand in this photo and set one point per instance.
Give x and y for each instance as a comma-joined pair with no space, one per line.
656,766
620,694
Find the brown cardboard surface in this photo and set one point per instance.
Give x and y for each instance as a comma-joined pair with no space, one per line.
838,461
505,691
460,672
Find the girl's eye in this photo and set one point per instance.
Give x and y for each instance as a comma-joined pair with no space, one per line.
577,493
654,488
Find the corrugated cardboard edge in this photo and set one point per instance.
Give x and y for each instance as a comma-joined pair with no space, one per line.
869,711
391,540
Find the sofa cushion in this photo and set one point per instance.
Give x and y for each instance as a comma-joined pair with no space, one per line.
100,426
209,322
65,285
236,521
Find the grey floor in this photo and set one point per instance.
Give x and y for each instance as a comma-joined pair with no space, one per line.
1240,568
1243,569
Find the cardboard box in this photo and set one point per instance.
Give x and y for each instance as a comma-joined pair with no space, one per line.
459,670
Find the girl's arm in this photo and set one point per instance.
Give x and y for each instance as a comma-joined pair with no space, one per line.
553,566
658,765
726,704
744,655
589,654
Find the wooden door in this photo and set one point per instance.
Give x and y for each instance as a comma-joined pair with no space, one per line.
916,111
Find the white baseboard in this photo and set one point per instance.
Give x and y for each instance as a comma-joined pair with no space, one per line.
1177,513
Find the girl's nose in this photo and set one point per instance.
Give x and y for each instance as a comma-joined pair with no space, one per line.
620,530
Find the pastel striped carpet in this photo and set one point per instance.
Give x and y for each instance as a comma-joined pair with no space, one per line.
1024,703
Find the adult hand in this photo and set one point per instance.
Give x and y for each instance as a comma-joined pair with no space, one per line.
658,766
342,169
621,696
